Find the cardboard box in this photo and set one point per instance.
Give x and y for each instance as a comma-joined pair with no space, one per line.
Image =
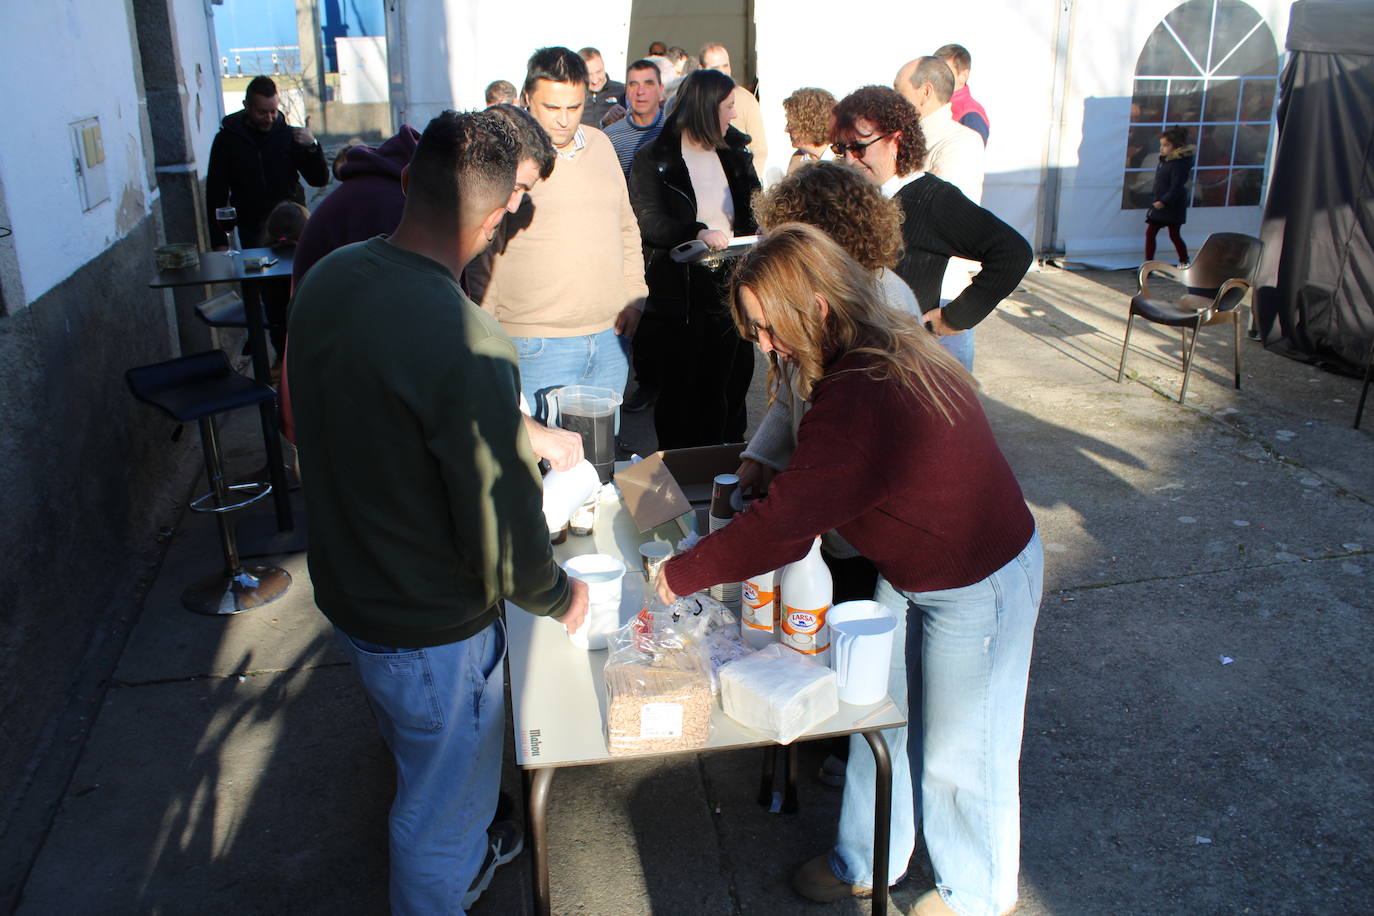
675,485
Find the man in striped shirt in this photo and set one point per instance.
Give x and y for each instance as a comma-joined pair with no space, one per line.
644,95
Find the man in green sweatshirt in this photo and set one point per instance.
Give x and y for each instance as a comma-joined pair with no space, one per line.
424,498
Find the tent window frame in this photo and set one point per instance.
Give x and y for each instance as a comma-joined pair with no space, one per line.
1224,177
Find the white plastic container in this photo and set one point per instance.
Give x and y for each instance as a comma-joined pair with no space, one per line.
566,491
861,634
603,574
758,609
807,591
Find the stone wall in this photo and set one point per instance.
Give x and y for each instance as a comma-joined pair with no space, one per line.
88,477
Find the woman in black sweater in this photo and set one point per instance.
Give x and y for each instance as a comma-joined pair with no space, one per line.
695,182
1170,207
879,132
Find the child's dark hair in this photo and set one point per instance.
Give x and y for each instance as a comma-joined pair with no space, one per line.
1176,135
285,224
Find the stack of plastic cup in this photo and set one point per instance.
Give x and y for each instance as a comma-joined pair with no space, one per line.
726,500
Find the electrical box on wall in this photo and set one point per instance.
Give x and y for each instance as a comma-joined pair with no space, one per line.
88,153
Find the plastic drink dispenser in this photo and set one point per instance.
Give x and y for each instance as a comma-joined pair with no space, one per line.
807,591
589,412
758,609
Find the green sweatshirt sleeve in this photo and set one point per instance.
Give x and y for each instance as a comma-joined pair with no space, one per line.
493,483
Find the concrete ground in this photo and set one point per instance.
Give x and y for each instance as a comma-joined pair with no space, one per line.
1198,732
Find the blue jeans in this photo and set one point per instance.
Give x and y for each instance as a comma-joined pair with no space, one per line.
600,360
960,346
970,659
442,712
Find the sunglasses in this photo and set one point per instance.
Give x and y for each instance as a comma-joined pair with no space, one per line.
858,149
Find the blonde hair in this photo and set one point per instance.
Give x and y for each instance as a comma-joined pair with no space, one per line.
794,268
808,113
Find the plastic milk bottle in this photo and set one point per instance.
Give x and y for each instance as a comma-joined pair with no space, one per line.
758,609
807,591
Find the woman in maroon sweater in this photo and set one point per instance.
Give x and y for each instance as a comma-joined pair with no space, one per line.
896,454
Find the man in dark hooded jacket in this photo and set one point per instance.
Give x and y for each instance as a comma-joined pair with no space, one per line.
256,162
367,202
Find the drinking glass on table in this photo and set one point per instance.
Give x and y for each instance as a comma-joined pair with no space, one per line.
228,217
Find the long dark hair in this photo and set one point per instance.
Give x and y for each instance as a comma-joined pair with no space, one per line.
696,109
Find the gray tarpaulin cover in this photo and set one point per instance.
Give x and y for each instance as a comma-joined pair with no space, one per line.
1315,293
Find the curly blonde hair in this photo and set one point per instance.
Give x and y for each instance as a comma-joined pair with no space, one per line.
808,115
841,203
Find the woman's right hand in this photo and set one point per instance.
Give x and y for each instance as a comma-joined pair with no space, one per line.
754,476
714,238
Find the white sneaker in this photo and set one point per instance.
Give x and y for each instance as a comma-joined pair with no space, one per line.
505,841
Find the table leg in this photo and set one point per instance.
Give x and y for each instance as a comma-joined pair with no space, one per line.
770,763
789,798
882,820
537,784
262,372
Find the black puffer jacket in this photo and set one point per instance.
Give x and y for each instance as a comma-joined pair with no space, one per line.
666,206
254,171
1171,187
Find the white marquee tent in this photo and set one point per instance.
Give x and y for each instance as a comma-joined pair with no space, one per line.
1058,79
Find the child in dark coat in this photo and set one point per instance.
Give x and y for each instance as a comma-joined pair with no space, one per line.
1170,207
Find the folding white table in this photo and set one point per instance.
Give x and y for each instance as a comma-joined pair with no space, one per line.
558,696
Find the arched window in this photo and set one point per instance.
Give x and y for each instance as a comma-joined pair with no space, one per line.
1210,67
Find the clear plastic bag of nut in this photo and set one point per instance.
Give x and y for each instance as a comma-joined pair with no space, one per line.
658,683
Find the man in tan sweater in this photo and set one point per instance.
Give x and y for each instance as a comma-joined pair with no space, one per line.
565,276
748,114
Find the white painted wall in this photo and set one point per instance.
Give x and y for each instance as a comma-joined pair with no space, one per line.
362,69
84,54
199,75
454,48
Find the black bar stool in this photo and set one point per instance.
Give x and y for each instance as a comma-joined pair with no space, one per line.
196,388
223,311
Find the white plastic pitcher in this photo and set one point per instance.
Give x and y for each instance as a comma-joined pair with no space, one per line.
603,574
861,635
566,491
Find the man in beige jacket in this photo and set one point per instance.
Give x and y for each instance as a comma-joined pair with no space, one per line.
565,274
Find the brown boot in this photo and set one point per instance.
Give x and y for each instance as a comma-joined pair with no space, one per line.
816,881
932,904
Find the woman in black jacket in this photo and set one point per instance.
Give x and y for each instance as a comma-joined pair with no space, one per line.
695,181
1170,207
